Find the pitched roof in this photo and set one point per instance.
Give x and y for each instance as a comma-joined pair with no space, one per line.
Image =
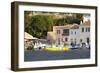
75,26
86,23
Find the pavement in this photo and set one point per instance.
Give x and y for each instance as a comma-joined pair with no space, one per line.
32,55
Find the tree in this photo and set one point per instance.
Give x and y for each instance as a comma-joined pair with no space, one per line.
27,18
74,18
39,25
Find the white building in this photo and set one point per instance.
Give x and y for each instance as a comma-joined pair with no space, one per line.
72,33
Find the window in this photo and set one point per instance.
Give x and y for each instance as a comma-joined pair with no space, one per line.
88,40
66,39
75,40
80,40
65,32
59,41
75,32
88,29
71,32
82,29
58,31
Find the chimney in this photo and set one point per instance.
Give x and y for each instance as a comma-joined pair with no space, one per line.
81,22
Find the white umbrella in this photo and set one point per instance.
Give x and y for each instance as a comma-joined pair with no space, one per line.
28,36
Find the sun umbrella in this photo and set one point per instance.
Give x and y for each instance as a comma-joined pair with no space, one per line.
28,36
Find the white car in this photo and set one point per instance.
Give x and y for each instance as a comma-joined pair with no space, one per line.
39,46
